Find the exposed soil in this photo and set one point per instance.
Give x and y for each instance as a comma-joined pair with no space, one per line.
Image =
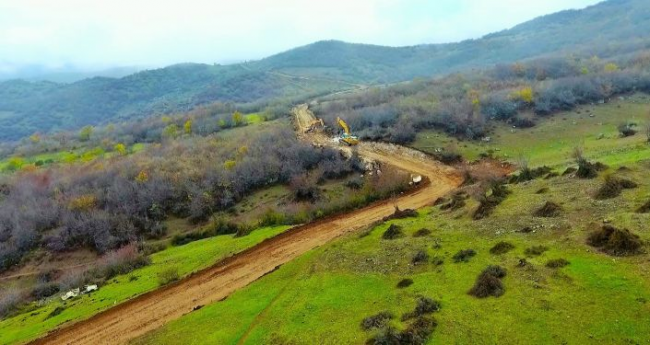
152,310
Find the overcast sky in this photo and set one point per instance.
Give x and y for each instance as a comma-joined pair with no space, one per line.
104,33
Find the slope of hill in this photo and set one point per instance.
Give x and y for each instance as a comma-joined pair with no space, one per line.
25,108
595,28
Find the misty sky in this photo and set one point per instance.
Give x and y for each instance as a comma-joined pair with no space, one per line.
105,33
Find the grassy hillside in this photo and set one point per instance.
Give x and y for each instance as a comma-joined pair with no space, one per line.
325,66
596,298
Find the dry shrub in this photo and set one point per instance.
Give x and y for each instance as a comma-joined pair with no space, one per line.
535,250
393,232
376,321
419,331
586,169
488,202
489,283
616,242
457,202
9,300
422,233
501,248
423,306
401,214
168,275
613,187
549,210
557,263
404,283
420,257
120,261
464,255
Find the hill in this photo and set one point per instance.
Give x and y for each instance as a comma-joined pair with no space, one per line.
25,108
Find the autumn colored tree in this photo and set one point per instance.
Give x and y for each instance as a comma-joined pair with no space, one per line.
611,67
237,119
171,131
187,127
120,148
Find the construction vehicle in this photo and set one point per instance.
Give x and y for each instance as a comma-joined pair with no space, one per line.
347,138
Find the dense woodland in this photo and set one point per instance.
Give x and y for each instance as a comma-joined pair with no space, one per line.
465,104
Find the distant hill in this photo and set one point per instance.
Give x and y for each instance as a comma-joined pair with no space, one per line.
595,28
27,107
64,74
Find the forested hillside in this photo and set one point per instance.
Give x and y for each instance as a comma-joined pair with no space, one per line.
613,26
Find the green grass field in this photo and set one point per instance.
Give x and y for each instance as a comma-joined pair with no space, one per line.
190,258
553,140
323,296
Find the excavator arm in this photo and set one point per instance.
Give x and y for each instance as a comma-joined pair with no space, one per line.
343,125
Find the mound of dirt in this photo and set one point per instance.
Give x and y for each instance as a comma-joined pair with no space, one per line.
489,283
613,187
401,214
549,210
393,232
616,242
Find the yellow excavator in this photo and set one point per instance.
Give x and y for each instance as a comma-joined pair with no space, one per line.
347,138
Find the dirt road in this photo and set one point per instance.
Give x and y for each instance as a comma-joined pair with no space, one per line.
151,311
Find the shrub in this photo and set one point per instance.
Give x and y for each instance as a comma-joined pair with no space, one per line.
404,283
645,208
615,242
488,203
457,202
586,169
419,331
121,261
58,310
535,250
549,210
376,321
438,261
501,248
393,232
168,275
423,306
557,263
44,290
627,129
422,233
489,283
613,187
420,257
9,301
464,255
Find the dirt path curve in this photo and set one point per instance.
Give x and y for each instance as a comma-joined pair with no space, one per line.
150,311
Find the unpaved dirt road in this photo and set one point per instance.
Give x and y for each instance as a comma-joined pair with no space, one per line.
152,310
